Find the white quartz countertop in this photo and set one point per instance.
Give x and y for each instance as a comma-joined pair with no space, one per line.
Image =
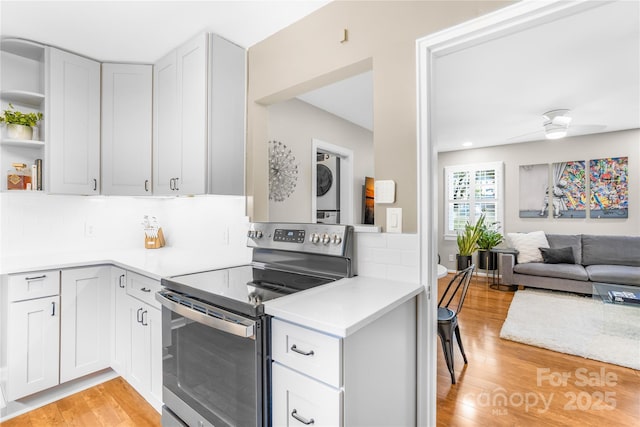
153,263
339,308
343,307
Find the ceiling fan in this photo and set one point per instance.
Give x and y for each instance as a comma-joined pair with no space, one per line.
556,125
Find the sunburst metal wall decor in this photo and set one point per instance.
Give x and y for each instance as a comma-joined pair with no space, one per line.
283,171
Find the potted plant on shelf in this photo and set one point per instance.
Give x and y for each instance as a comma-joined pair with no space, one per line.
489,239
19,125
468,242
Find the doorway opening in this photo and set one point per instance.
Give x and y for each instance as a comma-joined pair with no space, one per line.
332,192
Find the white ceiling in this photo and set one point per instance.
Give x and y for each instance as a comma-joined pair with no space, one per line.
496,92
143,31
351,99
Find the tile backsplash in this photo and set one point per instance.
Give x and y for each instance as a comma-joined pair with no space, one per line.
41,223
388,256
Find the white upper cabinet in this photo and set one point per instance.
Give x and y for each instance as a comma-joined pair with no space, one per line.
180,125
126,129
199,99
227,106
73,123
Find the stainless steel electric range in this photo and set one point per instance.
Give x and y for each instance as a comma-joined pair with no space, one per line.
215,334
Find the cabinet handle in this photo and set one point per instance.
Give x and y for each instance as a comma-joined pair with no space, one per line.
121,281
35,277
303,420
146,185
145,289
95,184
144,321
177,189
53,308
138,315
172,184
304,353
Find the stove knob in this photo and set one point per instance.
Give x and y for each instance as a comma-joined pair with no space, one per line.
325,239
258,234
251,234
315,238
336,240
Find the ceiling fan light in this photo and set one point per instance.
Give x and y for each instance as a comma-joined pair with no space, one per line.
556,134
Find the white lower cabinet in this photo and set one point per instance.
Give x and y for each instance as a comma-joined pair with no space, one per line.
84,322
299,400
33,343
364,379
121,326
145,338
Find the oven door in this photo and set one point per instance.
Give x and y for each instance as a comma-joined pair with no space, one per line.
213,363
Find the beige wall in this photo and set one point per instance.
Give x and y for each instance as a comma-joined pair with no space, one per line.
308,55
614,144
295,123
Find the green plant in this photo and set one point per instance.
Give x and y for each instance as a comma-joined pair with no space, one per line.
490,237
468,238
12,116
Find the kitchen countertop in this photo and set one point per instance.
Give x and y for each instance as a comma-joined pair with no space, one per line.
153,263
339,308
343,307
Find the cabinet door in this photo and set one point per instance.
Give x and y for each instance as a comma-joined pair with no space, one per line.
192,101
33,333
145,372
126,129
121,331
73,120
298,400
166,125
84,322
140,368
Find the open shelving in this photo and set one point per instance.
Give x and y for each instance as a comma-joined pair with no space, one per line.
23,70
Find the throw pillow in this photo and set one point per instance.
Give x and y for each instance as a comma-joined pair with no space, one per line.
558,255
528,244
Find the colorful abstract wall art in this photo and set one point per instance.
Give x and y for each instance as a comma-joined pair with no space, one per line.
534,187
569,194
609,180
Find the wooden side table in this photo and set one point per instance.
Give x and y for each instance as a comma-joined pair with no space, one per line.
497,272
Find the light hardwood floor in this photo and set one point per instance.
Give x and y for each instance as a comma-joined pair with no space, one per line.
113,403
501,368
496,368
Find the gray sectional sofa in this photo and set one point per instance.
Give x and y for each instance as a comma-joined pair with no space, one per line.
599,259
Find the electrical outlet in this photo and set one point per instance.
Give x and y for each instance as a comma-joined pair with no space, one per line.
89,229
452,257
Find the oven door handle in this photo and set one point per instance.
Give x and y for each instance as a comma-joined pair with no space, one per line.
236,325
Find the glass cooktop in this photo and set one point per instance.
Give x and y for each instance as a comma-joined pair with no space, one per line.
242,289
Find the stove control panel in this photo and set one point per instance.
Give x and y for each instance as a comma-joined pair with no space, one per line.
328,239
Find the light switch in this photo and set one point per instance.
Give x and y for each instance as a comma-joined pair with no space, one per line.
394,220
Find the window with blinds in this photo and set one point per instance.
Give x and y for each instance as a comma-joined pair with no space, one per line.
472,190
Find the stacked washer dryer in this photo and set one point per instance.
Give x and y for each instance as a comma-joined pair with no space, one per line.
328,188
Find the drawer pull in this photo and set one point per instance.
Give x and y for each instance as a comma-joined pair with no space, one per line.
35,277
304,421
302,352
145,289
121,281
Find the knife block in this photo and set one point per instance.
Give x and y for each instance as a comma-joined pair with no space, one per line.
154,242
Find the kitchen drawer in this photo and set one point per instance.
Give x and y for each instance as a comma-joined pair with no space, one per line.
312,402
143,288
33,285
312,353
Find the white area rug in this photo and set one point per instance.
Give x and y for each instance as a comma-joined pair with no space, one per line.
577,325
